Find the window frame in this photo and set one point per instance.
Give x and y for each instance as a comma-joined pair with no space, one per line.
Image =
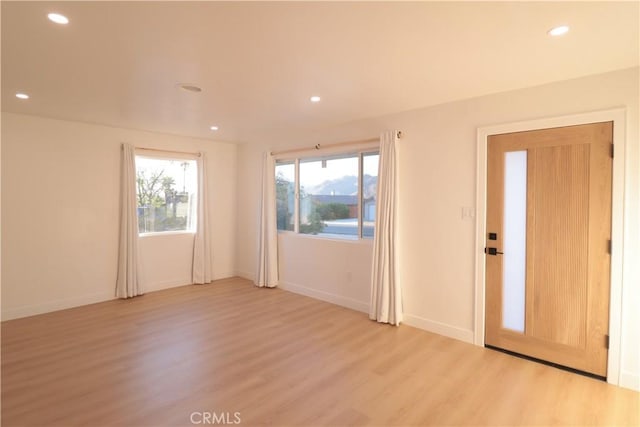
295,190
159,155
359,154
362,154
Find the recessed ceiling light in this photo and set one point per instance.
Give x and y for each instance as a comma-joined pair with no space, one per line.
189,87
315,99
22,96
58,19
213,127
558,31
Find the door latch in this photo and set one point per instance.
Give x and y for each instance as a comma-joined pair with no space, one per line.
492,251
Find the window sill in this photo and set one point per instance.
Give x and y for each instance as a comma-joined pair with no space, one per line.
349,240
166,233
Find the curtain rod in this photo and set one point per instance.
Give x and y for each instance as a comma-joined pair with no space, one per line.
158,150
337,144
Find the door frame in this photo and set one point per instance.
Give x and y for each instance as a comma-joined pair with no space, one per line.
618,117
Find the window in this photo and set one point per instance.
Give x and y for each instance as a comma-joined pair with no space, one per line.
369,191
336,195
329,196
166,193
285,195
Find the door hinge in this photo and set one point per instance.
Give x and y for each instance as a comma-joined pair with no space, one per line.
609,246
606,342
612,151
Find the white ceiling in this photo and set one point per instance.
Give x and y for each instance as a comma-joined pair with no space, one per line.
118,63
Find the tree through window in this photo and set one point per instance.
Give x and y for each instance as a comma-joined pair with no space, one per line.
166,194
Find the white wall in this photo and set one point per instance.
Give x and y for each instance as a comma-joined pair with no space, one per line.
338,281
60,199
437,176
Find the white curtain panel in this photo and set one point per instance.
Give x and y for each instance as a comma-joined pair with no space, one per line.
386,295
268,249
128,283
202,269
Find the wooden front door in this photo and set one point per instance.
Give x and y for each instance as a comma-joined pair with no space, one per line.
548,244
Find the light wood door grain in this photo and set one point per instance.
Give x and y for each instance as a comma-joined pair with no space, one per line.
568,229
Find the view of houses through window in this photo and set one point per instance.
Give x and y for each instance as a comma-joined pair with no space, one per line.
336,195
166,194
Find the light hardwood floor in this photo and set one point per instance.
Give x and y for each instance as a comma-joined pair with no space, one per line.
276,358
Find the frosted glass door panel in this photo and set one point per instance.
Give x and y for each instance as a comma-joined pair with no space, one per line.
514,240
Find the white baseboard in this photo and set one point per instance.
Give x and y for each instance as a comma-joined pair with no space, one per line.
225,275
174,283
62,304
166,284
454,332
326,296
245,275
415,321
629,380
